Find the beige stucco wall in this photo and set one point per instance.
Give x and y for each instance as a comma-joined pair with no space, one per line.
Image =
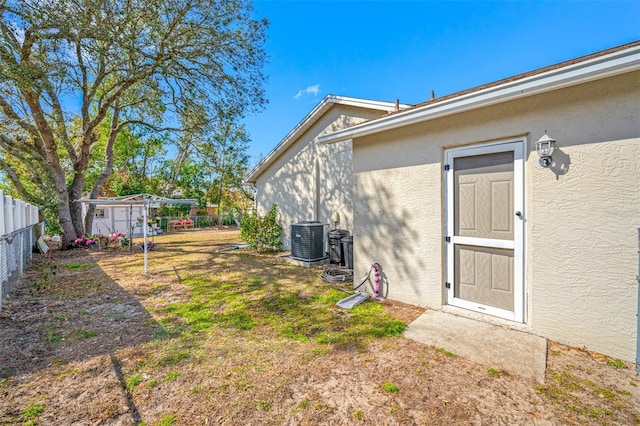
291,180
581,214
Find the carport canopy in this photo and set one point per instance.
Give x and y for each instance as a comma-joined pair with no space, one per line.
145,200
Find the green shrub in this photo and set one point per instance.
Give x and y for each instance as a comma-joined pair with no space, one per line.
262,233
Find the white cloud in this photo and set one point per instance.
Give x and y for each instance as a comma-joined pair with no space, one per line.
311,90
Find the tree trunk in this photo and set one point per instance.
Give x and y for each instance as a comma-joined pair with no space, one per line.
106,171
68,231
64,216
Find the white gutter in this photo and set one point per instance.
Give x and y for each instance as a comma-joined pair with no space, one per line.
593,69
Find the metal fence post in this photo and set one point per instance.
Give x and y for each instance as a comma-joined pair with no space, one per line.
2,254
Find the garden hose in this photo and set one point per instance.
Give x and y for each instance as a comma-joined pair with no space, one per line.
337,275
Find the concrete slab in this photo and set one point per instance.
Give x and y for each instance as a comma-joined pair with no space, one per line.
495,346
307,263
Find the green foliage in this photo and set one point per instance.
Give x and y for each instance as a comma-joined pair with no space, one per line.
81,334
389,387
79,266
617,363
262,233
139,82
132,382
445,352
51,225
167,420
171,376
263,405
173,210
45,271
358,415
34,410
251,304
493,372
51,336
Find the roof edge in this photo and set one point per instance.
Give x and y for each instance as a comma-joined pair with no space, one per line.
311,118
587,68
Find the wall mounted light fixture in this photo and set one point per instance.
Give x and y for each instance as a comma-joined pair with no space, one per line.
545,147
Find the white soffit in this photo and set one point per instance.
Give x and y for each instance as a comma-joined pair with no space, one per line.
608,65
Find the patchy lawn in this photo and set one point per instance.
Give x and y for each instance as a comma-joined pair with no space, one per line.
218,336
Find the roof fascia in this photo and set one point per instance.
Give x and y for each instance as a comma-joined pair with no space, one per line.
594,69
308,121
116,202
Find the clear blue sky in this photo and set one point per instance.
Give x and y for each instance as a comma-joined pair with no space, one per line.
384,50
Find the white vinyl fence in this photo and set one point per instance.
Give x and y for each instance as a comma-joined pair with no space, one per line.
17,240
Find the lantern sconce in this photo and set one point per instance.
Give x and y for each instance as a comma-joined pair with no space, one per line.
545,147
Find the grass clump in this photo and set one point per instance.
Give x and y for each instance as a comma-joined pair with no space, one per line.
602,392
445,352
172,375
167,420
263,405
51,336
45,272
79,266
389,387
33,410
616,363
493,372
131,382
358,415
81,334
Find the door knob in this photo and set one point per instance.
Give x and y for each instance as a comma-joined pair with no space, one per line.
519,214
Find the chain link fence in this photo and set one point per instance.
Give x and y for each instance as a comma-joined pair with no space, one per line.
16,249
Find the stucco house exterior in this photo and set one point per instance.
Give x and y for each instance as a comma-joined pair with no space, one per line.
449,197
312,182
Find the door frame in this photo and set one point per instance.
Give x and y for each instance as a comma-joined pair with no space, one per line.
517,146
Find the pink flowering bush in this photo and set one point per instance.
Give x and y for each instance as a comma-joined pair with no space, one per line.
117,239
84,241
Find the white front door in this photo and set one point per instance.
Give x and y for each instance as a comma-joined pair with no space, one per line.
484,228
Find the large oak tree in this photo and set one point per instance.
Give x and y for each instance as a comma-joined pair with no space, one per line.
167,65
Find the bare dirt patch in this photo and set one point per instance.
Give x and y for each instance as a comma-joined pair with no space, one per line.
213,335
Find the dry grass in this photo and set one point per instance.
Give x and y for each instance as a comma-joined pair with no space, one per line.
218,336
